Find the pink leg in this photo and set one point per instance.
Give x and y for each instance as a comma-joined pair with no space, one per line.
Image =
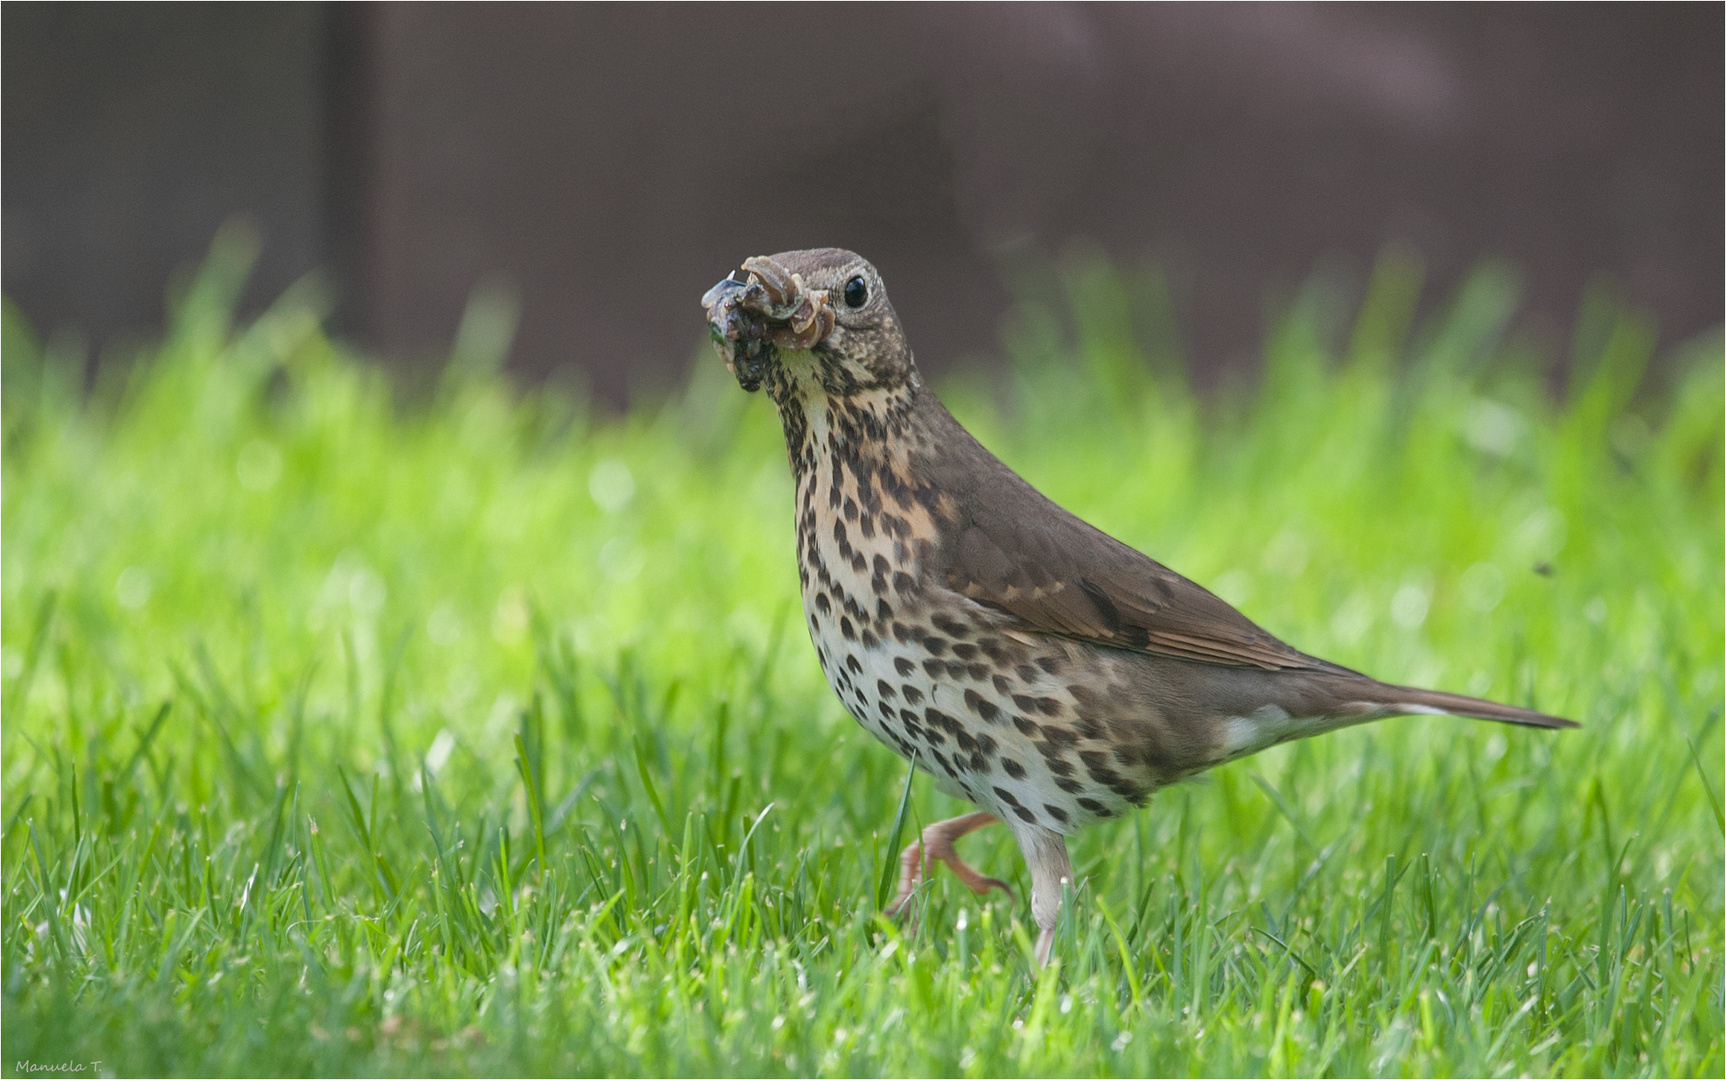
937,843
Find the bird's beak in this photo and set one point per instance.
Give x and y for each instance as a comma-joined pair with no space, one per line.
740,340
726,286
782,308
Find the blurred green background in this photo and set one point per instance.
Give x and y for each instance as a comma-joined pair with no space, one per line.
356,725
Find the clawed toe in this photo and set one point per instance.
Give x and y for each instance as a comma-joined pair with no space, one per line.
937,843
981,885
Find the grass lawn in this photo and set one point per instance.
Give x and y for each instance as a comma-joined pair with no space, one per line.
357,728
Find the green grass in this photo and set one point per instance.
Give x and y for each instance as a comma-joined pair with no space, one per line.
357,729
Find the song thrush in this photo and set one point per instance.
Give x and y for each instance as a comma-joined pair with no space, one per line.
1025,660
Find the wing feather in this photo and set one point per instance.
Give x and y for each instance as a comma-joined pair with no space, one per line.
1059,575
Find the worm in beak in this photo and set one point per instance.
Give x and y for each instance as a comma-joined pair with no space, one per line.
799,317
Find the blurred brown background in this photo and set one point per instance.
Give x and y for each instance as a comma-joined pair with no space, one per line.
611,161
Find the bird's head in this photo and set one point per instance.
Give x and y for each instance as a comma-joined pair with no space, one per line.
816,321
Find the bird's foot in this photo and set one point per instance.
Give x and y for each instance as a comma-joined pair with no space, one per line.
937,843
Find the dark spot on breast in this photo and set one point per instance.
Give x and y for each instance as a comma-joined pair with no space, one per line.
1028,728
949,625
934,668
935,645
986,744
885,688
850,508
942,720
858,563
1048,706
977,671
1014,769
883,610
1006,796
880,566
965,650
1096,764
981,705
1089,728
1026,673
822,604
1055,812
1058,736
1058,765
1070,786
847,629
945,764
903,666
912,694
902,582
1025,702
886,710
900,634
1001,684
1025,815
1050,664
1092,805
955,668
869,638
866,526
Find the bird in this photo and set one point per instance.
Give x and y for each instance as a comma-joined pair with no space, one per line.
1028,662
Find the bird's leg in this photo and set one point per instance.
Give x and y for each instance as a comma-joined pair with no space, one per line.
1051,872
937,843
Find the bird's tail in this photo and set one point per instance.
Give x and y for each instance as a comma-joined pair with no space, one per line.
1409,699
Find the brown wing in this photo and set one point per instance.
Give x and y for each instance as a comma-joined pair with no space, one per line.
1013,548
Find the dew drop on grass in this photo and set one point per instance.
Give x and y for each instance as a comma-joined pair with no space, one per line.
1496,745
611,484
134,587
444,626
1235,586
1408,606
1287,554
440,751
621,559
1353,619
1492,426
1482,586
509,619
367,591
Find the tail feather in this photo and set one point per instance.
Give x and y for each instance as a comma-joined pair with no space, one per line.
1413,700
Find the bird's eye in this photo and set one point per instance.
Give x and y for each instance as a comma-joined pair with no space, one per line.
856,292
